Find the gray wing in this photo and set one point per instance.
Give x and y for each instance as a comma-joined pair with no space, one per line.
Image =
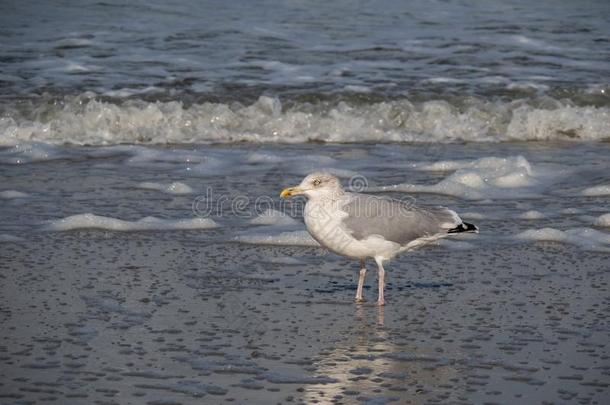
395,220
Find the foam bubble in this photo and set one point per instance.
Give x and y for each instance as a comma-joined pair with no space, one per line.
586,238
597,191
74,67
357,89
527,86
172,188
273,217
10,194
83,221
262,157
532,214
564,122
294,238
603,220
124,93
490,177
571,211
487,163
549,234
443,80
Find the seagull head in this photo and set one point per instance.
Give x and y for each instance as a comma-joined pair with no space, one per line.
315,185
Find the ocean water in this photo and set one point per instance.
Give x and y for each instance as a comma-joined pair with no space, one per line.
145,255
103,72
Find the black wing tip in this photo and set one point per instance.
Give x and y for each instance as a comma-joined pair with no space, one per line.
464,227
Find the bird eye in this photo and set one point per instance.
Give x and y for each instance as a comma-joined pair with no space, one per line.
316,182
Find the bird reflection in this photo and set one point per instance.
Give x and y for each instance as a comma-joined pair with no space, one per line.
369,364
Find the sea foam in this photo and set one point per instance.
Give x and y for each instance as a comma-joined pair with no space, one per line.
10,194
586,238
603,220
291,238
83,221
86,120
273,217
490,177
596,191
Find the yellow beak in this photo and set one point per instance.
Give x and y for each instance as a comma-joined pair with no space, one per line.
290,191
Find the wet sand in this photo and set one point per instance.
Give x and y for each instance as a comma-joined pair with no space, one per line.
171,317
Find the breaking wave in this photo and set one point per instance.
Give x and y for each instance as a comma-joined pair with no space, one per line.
86,120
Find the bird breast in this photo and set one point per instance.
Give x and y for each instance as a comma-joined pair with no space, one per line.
324,223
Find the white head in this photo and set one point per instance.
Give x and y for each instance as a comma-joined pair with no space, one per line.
315,185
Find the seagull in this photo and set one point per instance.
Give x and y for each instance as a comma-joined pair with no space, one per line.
362,226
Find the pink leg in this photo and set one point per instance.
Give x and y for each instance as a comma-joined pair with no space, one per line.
381,277
360,282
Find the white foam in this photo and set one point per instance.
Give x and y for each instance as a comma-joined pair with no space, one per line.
262,157
273,217
73,43
563,123
532,214
527,86
172,188
571,211
603,220
83,221
124,93
357,89
10,194
443,80
486,163
586,238
549,234
490,177
294,238
75,67
82,120
442,165
472,215
534,43
597,191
